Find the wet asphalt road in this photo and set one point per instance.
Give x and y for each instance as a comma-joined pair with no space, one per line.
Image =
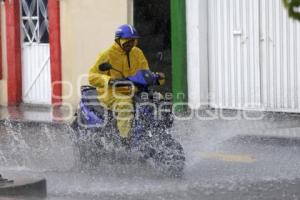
226,159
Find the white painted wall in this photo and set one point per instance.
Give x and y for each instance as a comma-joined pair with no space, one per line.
280,58
253,51
197,59
234,54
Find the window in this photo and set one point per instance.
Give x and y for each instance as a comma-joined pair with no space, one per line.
35,21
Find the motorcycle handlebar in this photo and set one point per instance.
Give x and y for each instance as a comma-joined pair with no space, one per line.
121,83
147,80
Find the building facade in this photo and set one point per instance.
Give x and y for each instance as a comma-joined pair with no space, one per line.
251,55
49,45
232,54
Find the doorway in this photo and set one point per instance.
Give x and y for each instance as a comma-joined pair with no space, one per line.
254,56
36,73
152,21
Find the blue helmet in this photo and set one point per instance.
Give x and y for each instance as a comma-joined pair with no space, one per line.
126,31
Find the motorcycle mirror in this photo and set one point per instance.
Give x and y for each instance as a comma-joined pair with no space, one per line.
105,67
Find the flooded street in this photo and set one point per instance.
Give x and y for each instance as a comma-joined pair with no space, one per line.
226,72
225,159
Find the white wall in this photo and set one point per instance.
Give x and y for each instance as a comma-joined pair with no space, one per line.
253,55
197,56
280,58
234,54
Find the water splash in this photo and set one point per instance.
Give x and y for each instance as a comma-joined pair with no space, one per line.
38,146
14,147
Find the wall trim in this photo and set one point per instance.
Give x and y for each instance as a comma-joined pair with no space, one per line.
14,69
179,53
130,12
55,50
197,52
1,65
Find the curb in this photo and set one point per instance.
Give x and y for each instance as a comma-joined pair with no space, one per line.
282,140
24,187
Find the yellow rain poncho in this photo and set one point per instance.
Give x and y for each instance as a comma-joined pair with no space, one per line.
118,99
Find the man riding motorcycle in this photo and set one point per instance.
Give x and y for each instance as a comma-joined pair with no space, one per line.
126,59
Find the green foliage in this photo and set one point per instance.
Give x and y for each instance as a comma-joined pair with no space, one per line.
291,6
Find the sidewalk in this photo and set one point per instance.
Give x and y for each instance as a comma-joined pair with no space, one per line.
36,113
259,126
27,121
268,124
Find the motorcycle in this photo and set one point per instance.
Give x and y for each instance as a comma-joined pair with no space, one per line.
150,140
